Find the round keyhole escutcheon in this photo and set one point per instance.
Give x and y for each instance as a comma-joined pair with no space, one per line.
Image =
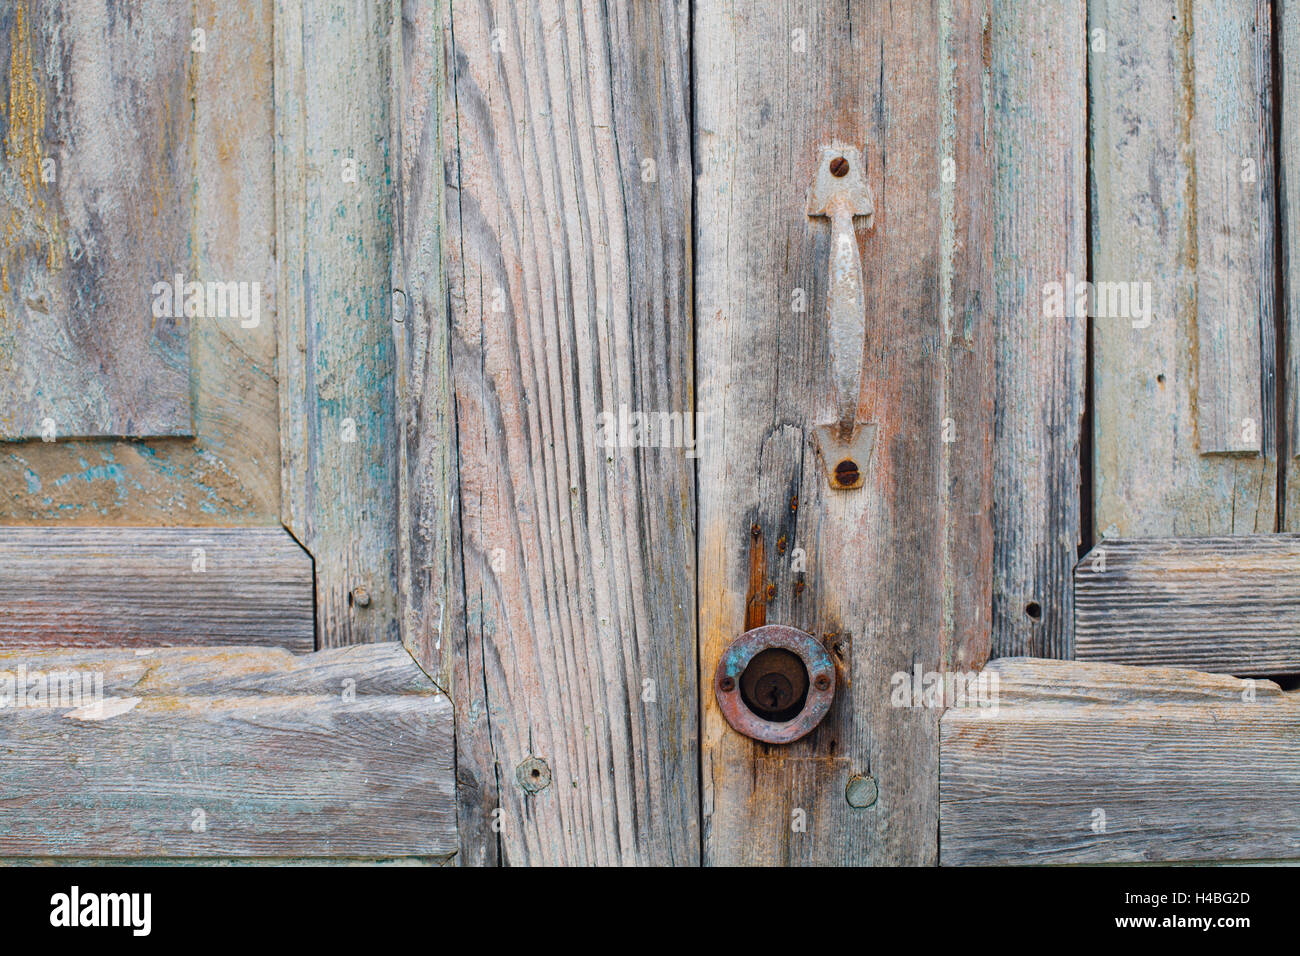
775,683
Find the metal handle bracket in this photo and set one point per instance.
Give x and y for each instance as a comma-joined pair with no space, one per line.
840,192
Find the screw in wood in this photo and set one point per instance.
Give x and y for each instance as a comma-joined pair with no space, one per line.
861,791
360,597
846,472
533,774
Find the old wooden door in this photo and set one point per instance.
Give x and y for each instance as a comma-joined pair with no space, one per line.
569,342
628,244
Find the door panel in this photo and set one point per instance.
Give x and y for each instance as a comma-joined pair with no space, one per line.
229,472
1185,389
96,195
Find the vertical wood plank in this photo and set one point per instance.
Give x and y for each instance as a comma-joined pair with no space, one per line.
1235,281
334,225
421,333
898,574
96,169
229,473
566,132
1040,88
1180,122
1287,84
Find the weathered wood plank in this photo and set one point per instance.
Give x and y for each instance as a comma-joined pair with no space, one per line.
96,176
1287,86
1182,171
113,587
229,472
1094,763
567,149
1229,604
227,752
421,332
1235,279
1040,120
334,218
897,574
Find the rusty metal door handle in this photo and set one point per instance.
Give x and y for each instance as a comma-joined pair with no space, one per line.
840,192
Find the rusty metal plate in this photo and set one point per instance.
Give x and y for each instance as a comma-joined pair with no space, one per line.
737,690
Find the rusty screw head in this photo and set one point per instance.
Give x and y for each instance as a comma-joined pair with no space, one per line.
822,681
839,167
727,684
846,472
534,775
755,530
361,597
771,591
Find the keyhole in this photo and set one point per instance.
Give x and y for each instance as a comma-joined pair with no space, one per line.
775,684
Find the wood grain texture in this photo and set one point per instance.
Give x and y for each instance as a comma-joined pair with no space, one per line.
567,149
229,752
1102,763
95,199
113,587
1286,83
1229,604
898,573
1179,103
1040,120
334,218
229,472
1235,278
422,335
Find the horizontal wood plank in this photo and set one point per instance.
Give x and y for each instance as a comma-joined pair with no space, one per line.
1226,604
1097,763
227,752
114,587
